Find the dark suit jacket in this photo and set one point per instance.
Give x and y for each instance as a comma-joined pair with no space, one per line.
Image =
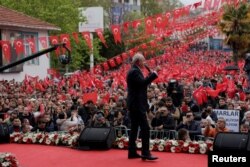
137,90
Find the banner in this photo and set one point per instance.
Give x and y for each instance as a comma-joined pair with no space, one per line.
116,15
232,118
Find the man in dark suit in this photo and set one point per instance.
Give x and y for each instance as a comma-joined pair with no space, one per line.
138,106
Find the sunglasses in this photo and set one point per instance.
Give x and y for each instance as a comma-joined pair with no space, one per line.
188,116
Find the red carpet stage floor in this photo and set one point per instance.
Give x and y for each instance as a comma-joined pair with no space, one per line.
30,155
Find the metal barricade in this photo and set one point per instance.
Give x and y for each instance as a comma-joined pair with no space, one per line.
154,134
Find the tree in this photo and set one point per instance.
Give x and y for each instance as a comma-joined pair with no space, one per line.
235,24
152,7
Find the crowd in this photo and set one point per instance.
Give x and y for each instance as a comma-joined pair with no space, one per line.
173,105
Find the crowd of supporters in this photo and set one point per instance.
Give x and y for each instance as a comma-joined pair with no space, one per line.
173,103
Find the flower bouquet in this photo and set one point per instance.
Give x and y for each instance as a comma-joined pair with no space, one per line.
8,160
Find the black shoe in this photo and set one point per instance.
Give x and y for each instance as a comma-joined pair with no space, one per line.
133,156
148,157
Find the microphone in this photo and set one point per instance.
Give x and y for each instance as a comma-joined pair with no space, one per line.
146,66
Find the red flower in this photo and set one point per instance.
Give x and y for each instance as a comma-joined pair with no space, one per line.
178,149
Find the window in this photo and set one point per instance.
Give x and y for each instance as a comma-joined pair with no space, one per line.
135,2
126,1
27,48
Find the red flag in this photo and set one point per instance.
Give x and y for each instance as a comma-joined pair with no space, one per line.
54,41
64,38
31,42
216,4
211,92
159,21
99,32
29,89
197,4
208,4
86,36
39,86
177,13
167,18
6,50
89,96
186,10
53,72
105,66
124,56
112,63
18,43
43,41
117,33
125,26
118,59
136,24
149,26
75,35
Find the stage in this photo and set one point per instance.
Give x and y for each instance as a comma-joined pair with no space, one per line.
33,155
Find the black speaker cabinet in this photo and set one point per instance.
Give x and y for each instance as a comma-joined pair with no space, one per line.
4,133
232,141
96,138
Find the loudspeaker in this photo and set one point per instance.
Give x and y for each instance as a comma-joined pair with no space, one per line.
226,141
96,138
4,133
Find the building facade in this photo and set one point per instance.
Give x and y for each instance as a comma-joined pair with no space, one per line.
18,26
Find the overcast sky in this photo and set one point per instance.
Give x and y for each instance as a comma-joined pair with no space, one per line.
188,2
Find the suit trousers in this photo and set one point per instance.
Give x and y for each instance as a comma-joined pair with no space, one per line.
139,120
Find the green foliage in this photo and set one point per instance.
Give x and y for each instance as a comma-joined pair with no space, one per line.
152,7
235,24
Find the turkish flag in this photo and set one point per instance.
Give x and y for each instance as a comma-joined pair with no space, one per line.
86,36
105,66
64,38
43,41
136,24
89,96
112,63
54,41
6,50
118,59
39,86
131,53
75,35
186,10
18,43
99,33
126,26
159,21
167,18
31,42
149,25
177,13
124,56
117,33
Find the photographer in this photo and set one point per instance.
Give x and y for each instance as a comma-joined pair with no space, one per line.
163,120
175,91
190,124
